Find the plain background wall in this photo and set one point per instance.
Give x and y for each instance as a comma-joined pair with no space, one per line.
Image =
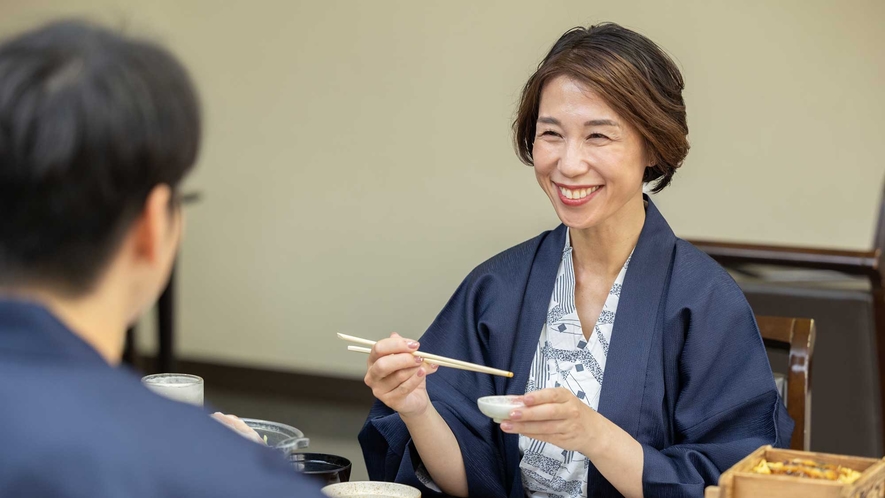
357,159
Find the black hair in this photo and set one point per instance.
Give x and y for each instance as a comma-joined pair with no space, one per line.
90,122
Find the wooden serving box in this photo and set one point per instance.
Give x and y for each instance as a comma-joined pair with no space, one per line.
741,482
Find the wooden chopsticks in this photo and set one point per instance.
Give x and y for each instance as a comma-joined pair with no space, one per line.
441,363
430,358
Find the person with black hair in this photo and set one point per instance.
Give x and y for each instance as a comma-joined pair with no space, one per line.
97,131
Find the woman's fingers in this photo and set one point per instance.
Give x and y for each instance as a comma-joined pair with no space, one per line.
548,411
394,373
392,363
390,383
392,345
549,395
431,368
536,428
389,356
407,386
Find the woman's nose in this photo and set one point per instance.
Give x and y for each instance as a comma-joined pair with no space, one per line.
573,162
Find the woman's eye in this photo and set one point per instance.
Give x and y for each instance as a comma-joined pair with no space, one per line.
597,136
549,133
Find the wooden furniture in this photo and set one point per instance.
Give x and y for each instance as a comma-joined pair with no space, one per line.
165,359
166,328
741,482
869,264
796,335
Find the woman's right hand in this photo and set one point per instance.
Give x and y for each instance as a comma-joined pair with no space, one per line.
396,377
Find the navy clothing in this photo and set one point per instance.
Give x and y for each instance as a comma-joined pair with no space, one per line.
73,426
687,373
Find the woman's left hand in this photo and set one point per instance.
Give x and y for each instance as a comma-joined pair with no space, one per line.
554,416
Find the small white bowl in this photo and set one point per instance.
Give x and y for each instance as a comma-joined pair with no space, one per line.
357,489
498,408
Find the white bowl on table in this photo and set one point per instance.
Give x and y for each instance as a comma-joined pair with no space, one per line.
498,408
372,489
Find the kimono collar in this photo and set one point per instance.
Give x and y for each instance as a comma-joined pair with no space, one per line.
29,329
639,313
638,310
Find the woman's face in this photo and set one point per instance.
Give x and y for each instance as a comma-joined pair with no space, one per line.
587,159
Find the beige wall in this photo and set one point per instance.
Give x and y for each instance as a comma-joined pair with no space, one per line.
357,161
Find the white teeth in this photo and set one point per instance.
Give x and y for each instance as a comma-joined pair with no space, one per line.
579,193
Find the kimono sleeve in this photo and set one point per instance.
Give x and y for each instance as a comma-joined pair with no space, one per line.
460,331
727,404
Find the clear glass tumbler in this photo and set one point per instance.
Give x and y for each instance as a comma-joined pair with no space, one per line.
176,386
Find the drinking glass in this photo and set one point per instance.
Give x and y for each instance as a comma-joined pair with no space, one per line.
185,388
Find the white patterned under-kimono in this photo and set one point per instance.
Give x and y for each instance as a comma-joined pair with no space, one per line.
564,358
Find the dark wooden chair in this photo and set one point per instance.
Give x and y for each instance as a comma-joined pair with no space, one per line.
797,336
165,360
869,264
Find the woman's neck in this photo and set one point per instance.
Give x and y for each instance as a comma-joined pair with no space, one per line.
603,249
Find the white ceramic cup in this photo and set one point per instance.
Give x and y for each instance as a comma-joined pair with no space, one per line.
498,408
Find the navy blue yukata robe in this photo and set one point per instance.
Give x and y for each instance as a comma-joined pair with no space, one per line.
72,426
686,374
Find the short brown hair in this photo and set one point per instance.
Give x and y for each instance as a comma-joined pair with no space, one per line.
635,77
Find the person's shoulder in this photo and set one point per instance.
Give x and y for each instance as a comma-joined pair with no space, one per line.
516,259
701,289
103,424
201,457
695,272
695,278
692,264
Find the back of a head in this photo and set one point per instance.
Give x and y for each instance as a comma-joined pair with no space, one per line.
90,122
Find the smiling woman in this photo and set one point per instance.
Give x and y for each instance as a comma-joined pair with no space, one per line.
629,73
637,360
577,129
